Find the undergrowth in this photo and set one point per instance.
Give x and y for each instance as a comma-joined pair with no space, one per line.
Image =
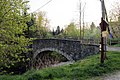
81,70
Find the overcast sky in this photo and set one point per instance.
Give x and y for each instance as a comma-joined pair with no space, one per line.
62,12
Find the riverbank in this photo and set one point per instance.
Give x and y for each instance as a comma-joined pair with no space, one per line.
85,69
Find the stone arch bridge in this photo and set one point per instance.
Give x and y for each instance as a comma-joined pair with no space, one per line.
71,49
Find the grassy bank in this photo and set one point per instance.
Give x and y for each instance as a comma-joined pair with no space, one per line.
117,45
81,70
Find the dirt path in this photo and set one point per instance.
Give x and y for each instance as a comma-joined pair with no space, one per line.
112,76
113,49
63,63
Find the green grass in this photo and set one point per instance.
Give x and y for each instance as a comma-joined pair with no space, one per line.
81,70
117,45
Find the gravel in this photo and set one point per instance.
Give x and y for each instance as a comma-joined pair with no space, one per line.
112,76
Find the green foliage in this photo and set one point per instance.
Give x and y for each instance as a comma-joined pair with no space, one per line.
117,45
7,77
42,22
71,31
115,28
115,19
92,26
114,42
13,43
93,32
81,70
40,27
114,13
58,56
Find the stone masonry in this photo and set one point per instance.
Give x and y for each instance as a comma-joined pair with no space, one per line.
71,49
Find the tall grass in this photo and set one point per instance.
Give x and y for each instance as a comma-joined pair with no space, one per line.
80,70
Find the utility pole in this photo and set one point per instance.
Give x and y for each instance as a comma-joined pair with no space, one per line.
103,25
80,18
102,39
83,19
102,43
83,25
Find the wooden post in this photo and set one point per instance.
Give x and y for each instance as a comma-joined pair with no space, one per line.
102,43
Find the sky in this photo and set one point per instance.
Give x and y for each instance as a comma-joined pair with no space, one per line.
63,12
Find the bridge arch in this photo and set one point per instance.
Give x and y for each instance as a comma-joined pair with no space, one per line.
52,49
71,49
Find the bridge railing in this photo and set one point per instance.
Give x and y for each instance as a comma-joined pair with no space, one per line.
90,41
114,41
84,41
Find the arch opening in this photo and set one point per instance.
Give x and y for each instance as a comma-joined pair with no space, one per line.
52,49
48,57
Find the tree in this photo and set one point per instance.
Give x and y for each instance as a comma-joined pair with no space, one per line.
115,20
13,43
42,24
58,30
115,28
92,32
71,31
115,12
92,26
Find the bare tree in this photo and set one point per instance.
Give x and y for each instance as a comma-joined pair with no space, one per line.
115,11
115,19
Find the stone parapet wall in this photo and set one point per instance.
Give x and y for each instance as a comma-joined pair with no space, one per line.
71,49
